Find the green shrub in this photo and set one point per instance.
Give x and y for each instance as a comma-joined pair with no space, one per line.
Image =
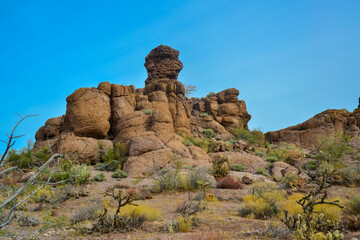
254,137
261,171
204,114
237,167
210,94
220,167
99,177
76,174
119,174
113,158
334,148
272,159
170,179
353,206
260,153
209,133
349,175
263,202
148,111
26,158
192,141
312,165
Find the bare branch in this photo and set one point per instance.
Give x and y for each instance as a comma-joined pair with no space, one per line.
11,137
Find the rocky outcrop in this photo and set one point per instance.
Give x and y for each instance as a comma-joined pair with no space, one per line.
147,121
307,134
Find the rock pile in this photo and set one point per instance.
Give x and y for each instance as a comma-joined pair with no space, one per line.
147,121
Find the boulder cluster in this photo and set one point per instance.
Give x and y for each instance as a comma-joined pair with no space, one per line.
149,121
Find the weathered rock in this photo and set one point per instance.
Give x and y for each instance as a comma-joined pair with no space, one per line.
105,87
280,169
147,163
200,156
248,177
88,113
50,130
141,145
179,149
250,162
85,149
307,134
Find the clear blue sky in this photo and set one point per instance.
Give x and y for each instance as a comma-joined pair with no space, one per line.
289,59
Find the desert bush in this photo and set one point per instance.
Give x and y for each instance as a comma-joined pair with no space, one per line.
210,94
148,111
334,148
170,179
261,171
72,173
311,165
113,158
237,168
192,141
85,213
229,182
272,159
264,201
205,114
260,153
99,177
220,166
148,212
119,174
320,216
351,220
349,175
293,155
26,158
277,154
209,133
254,137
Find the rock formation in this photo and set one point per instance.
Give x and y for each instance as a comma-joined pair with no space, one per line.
148,121
307,134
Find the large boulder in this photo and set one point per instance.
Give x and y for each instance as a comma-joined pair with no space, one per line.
83,149
147,163
141,145
88,113
50,130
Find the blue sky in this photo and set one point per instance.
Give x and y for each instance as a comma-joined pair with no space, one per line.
289,59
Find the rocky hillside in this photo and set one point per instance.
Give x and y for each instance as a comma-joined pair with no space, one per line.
148,121
329,122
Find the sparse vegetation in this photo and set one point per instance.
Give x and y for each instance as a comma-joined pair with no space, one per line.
237,168
148,111
209,133
119,174
221,166
113,158
255,136
99,177
189,90
204,114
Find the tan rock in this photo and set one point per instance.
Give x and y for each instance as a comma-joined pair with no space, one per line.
88,113
280,169
179,149
105,87
85,149
200,156
251,163
149,162
141,145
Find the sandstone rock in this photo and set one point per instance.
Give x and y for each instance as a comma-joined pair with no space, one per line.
149,162
50,130
280,169
241,145
250,162
248,177
105,87
200,156
306,134
141,145
179,149
88,113
87,149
